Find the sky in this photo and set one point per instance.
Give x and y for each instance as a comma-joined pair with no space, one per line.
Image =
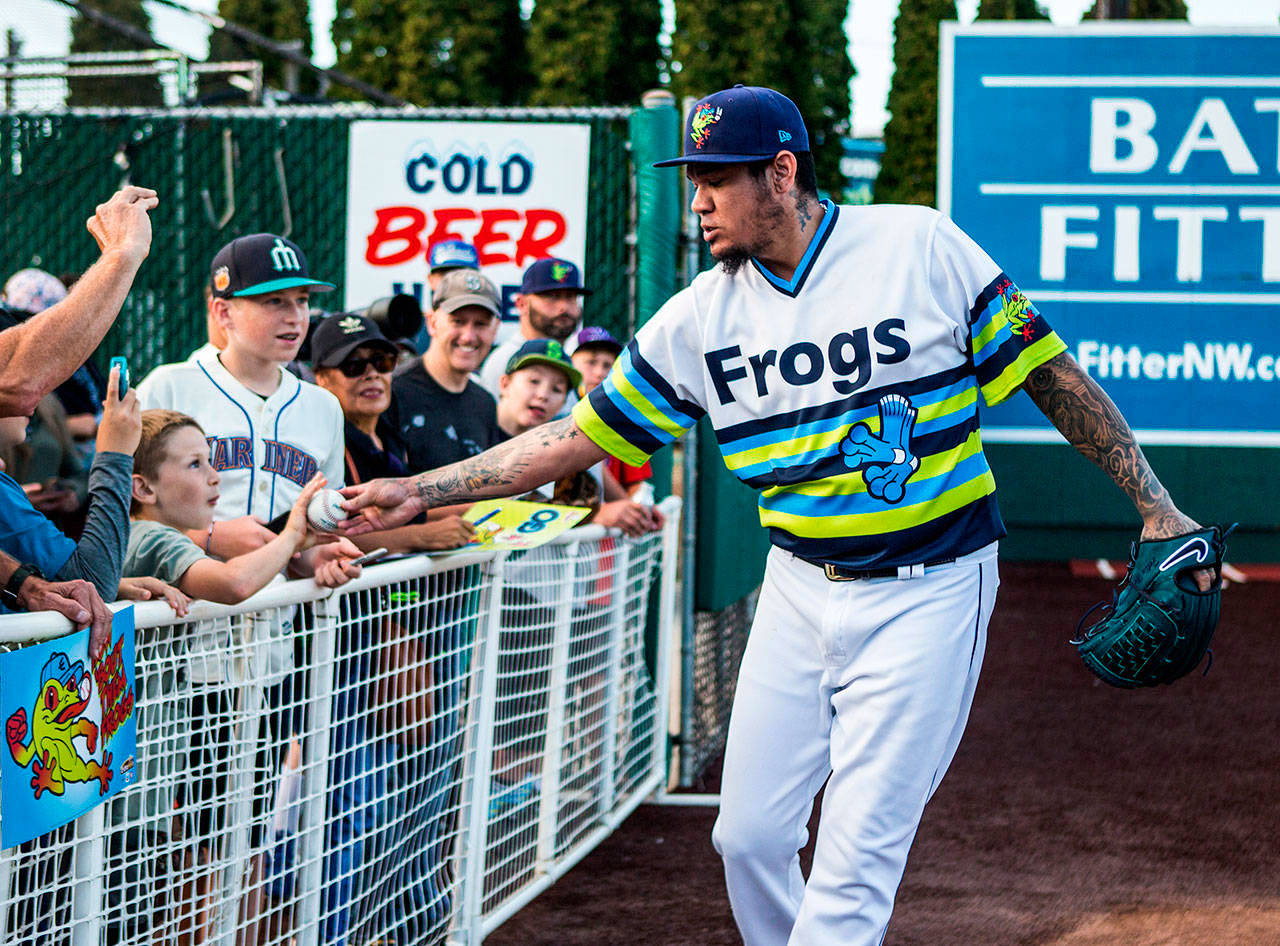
43,25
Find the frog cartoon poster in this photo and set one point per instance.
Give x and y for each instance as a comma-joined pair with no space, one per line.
70,729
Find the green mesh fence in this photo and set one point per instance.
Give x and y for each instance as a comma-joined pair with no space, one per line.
290,174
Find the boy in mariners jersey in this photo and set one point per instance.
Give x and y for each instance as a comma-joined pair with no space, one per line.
268,431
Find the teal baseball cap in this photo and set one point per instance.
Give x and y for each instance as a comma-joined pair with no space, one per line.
260,263
544,351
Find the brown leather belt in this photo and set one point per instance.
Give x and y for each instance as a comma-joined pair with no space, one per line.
841,573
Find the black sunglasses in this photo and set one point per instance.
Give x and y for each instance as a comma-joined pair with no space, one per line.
383,362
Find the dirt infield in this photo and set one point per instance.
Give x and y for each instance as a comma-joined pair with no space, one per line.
1074,814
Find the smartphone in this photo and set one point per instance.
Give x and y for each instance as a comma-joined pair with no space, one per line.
124,373
368,557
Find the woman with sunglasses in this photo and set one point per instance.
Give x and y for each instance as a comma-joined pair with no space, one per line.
353,361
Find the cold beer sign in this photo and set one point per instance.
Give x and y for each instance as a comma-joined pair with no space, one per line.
1127,177
517,192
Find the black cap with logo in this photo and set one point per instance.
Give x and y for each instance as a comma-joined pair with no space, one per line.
339,335
260,263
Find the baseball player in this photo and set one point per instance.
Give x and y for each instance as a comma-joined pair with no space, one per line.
839,354
268,431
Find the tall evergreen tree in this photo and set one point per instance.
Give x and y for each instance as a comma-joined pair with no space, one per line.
1011,10
594,52
798,47
1142,10
909,166
89,36
433,52
367,36
284,21
821,72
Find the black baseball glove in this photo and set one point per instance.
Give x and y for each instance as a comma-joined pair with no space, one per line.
1158,624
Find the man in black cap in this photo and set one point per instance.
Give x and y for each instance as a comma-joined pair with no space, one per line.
550,306
839,354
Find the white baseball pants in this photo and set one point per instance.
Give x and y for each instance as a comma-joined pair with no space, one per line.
869,682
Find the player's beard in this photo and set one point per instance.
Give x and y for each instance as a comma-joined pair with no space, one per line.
766,219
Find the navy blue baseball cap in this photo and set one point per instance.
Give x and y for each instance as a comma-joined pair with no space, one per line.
547,275
453,254
745,123
260,263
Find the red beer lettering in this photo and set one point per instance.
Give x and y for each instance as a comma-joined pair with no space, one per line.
395,225
489,234
531,245
445,219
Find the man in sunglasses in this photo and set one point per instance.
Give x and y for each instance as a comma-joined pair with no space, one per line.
442,415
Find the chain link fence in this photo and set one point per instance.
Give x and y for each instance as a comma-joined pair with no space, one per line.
224,173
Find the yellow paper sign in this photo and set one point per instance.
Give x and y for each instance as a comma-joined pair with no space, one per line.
512,524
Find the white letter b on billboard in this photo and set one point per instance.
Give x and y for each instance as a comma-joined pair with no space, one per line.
1113,121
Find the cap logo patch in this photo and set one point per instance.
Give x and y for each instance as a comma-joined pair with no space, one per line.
783,136
704,117
350,325
560,272
473,283
554,350
221,279
284,256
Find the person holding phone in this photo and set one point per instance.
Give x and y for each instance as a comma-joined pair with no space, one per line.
31,538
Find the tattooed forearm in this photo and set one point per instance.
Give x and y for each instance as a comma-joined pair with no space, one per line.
1086,416
526,462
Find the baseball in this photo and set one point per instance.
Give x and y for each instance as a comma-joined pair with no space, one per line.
325,511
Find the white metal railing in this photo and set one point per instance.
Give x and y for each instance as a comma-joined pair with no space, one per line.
408,759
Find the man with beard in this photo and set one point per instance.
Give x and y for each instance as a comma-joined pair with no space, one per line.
550,306
839,353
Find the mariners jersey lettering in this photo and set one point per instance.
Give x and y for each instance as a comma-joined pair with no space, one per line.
848,394
264,449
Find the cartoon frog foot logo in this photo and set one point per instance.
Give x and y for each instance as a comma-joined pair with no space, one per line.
886,461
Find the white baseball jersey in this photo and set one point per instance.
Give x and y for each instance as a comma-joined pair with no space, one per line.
265,449
848,394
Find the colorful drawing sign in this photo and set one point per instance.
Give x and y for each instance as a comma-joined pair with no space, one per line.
70,730
515,191
1126,176
512,524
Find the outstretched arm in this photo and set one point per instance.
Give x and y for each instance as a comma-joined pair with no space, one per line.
1086,416
539,456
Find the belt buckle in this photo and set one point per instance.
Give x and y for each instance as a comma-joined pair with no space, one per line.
832,575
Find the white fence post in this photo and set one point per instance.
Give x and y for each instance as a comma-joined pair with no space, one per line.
90,869
669,630
479,763
242,763
315,779
619,588
557,696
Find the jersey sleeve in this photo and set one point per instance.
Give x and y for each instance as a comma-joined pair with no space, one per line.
654,392
1007,336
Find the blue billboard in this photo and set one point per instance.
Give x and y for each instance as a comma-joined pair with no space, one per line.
1127,177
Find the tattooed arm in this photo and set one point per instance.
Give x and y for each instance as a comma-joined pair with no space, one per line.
526,462
1081,410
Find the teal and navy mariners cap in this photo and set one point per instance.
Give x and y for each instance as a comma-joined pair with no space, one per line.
260,263
745,123
544,351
